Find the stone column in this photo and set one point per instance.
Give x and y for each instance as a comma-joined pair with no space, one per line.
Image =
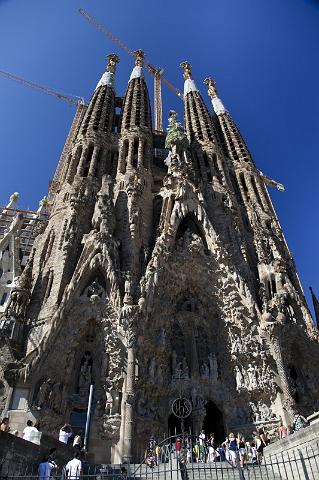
273,332
129,325
82,161
129,161
140,153
94,161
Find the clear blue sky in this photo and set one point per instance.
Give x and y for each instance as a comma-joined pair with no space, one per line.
262,53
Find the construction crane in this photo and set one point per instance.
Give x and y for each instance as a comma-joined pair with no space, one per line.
272,183
80,111
157,73
49,91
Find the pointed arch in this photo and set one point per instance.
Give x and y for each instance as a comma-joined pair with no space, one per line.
190,222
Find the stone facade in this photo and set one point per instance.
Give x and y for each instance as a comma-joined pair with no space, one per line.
161,272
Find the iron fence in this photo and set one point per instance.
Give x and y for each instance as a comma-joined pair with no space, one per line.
170,464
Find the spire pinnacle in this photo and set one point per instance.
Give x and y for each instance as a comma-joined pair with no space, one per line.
139,58
212,92
139,61
108,76
113,59
189,84
210,82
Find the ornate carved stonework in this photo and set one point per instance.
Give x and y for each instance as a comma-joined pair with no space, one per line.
162,274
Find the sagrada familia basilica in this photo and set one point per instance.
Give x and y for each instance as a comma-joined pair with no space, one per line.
161,273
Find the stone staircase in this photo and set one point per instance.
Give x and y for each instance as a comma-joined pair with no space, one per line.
201,471
224,471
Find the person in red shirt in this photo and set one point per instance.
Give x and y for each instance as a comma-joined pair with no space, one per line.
178,445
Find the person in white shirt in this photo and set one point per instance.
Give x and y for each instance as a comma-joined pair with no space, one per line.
44,469
74,467
65,433
30,432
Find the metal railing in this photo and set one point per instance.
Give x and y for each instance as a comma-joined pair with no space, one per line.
168,463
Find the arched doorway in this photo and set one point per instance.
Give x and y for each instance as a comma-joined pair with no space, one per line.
175,425
214,422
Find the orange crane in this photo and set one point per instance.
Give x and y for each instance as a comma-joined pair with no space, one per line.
157,73
80,111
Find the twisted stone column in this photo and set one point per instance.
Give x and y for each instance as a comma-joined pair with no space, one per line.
273,332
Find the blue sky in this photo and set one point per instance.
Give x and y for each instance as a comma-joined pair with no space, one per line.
263,55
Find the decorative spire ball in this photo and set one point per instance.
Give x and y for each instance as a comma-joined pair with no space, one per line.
139,58
186,66
113,59
210,82
176,139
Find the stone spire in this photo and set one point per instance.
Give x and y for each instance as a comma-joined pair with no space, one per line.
136,105
232,141
108,76
90,155
197,120
212,92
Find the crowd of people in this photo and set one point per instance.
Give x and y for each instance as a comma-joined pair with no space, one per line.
187,448
205,449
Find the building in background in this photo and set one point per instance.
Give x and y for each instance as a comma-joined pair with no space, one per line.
162,273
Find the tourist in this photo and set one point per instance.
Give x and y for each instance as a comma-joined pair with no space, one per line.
282,431
231,444
261,443
45,468
299,422
202,437
65,433
4,425
52,454
178,446
30,432
73,468
196,451
123,474
150,458
157,454
77,442
241,449
290,430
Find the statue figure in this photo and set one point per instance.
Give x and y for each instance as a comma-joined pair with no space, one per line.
185,368
85,379
109,402
43,395
213,366
240,382
56,397
174,361
265,413
152,367
255,412
160,378
95,289
204,370
252,377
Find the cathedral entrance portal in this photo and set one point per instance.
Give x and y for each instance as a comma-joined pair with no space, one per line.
175,425
214,422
